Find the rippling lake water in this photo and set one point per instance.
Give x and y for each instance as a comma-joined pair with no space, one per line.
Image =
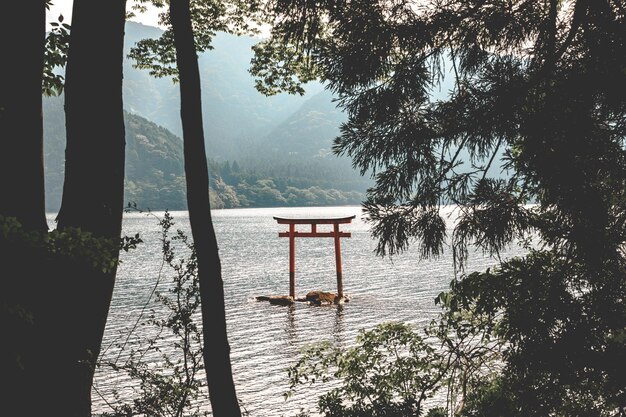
266,339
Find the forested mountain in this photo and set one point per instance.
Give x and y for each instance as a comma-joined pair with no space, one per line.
240,123
155,175
282,144
154,160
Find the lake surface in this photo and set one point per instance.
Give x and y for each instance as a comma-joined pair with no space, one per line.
266,339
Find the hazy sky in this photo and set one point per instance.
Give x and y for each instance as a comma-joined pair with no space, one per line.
64,7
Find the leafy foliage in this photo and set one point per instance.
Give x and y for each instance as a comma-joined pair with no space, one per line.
174,388
278,76
525,74
393,371
533,111
55,56
71,243
158,56
557,354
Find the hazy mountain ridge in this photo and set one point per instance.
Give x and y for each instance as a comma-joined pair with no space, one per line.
155,172
309,130
235,114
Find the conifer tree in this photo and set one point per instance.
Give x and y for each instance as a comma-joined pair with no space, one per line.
515,113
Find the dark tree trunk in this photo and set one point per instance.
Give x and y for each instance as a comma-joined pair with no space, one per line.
94,156
22,197
216,348
93,193
21,127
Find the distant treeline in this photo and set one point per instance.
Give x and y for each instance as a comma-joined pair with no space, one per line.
234,186
278,185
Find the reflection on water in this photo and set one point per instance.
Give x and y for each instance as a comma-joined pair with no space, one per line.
266,339
338,329
291,328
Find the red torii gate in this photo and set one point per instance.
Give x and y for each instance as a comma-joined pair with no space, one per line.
292,234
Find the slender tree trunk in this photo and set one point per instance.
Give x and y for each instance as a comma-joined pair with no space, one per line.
93,192
216,348
22,197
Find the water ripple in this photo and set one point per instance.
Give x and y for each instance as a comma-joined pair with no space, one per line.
266,339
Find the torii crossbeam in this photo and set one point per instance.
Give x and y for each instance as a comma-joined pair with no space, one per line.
292,234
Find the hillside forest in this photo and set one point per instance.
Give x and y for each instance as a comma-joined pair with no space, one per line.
155,176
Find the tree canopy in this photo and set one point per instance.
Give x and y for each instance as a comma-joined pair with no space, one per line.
208,17
527,142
